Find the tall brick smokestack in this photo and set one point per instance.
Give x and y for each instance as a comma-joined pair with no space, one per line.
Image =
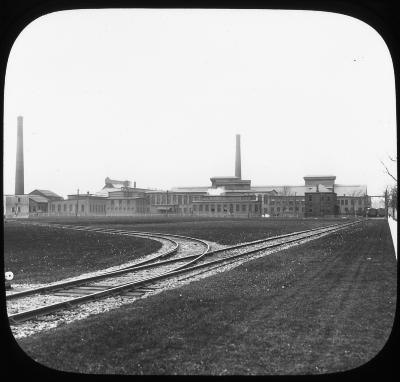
238,165
19,169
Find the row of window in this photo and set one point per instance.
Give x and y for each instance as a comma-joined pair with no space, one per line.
352,202
138,209
272,202
72,207
225,208
170,199
128,202
97,208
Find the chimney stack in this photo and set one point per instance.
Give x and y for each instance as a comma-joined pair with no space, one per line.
238,166
19,169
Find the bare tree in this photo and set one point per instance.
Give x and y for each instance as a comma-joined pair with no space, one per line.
391,192
386,168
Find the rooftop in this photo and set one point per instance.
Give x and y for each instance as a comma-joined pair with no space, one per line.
47,193
38,199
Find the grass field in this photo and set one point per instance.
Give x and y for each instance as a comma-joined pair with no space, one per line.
223,231
46,254
324,306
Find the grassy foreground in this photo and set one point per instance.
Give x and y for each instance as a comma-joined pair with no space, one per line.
321,307
46,254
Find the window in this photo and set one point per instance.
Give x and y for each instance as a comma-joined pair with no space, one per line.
12,209
237,207
195,207
346,202
272,210
341,202
65,207
19,209
272,203
243,207
255,208
82,207
218,207
206,207
201,207
112,203
59,207
212,208
290,208
352,202
278,209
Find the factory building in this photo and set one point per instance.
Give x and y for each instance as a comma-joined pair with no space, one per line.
79,205
320,201
227,196
230,205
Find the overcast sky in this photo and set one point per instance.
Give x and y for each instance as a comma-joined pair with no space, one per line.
157,96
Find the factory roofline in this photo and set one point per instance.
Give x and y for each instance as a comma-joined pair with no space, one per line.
320,176
225,177
46,193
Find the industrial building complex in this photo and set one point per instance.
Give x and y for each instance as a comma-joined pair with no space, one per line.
227,196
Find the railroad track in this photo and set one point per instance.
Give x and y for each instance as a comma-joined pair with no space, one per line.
137,280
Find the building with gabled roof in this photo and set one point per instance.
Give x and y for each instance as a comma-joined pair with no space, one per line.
49,195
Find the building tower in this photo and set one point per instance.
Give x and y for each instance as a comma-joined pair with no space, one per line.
19,169
238,166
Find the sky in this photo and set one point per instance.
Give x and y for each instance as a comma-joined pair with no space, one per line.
157,97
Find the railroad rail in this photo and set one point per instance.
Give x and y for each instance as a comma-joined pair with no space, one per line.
191,265
153,262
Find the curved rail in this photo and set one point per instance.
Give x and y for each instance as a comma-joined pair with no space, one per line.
189,267
149,263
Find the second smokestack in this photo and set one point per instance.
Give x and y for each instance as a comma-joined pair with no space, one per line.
238,166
